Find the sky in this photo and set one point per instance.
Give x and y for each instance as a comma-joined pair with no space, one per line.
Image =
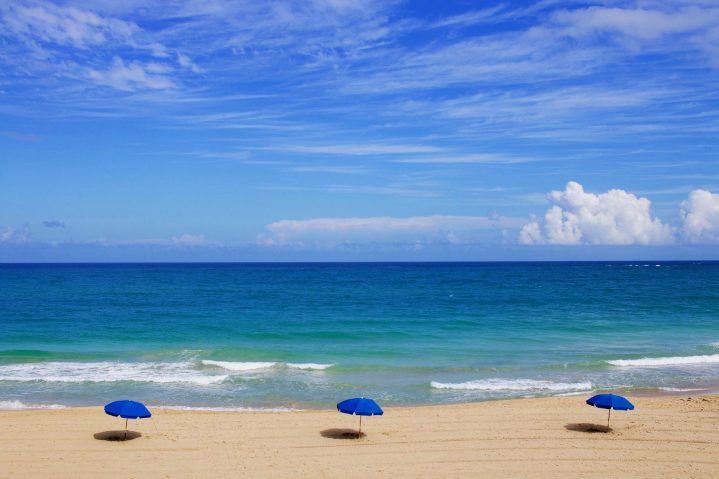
353,130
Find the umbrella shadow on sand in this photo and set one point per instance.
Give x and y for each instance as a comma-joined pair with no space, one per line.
587,427
341,433
116,435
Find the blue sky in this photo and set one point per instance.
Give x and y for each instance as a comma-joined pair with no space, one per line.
357,130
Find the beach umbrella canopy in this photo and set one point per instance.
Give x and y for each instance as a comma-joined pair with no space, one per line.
610,401
360,407
127,409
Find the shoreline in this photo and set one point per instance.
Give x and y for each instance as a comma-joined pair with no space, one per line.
639,393
665,436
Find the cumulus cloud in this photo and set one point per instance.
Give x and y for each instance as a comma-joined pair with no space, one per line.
612,218
53,224
700,217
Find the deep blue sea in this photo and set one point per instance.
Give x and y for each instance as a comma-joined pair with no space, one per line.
297,336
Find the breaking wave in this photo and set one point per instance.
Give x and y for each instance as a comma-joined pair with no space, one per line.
254,365
204,372
513,385
668,361
18,405
239,366
107,371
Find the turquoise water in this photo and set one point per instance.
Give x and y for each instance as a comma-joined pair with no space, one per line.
308,335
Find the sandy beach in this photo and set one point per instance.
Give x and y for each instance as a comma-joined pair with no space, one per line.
547,437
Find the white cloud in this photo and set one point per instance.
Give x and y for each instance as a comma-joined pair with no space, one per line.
644,27
16,236
700,217
436,228
131,76
637,23
184,240
531,234
612,218
381,223
186,62
190,240
66,40
64,25
469,18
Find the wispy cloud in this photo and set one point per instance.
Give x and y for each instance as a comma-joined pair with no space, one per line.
75,44
357,149
20,136
479,158
70,26
474,17
640,27
132,76
340,170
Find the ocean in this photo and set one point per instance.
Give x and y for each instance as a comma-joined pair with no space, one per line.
305,336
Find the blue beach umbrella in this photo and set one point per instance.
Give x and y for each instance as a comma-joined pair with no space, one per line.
127,409
360,407
610,401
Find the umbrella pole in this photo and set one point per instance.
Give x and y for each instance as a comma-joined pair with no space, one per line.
125,428
608,416
359,434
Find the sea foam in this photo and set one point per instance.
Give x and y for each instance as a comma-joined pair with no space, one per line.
309,366
513,385
681,390
17,405
108,371
256,365
239,366
668,361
